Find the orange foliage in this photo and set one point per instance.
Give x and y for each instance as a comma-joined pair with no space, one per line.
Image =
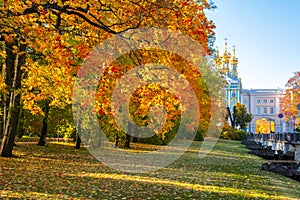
291,98
60,34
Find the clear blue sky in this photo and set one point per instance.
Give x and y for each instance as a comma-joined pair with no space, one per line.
266,34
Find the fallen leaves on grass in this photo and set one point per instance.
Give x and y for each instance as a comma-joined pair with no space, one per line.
61,172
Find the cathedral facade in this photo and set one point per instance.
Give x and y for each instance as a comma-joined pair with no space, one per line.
263,104
227,64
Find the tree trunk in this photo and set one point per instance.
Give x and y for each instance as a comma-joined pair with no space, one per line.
78,139
127,139
46,109
135,139
1,123
2,66
20,128
13,74
117,140
127,142
136,135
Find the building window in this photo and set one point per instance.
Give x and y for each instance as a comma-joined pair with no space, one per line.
271,111
265,111
271,100
233,95
258,110
265,101
257,100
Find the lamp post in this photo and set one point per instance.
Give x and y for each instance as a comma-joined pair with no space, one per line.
280,117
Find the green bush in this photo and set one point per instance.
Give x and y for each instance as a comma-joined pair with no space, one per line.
241,134
233,134
227,132
65,131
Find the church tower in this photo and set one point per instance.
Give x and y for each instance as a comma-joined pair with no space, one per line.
227,64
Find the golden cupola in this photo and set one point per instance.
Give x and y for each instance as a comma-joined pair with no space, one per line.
226,58
234,63
217,60
234,60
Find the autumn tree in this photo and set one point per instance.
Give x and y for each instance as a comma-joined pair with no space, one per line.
294,82
44,90
144,97
240,115
291,97
46,28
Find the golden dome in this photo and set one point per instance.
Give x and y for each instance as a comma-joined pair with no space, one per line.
226,56
217,60
234,59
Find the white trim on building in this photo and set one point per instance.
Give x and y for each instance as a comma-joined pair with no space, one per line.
263,103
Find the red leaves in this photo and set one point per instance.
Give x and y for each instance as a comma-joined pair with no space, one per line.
82,50
114,69
101,111
185,4
57,38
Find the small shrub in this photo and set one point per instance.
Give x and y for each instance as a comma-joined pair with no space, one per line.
233,134
227,132
242,134
224,135
65,131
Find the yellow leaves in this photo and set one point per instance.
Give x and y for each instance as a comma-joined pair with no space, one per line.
2,54
149,97
52,81
29,3
50,74
60,2
32,106
2,85
15,49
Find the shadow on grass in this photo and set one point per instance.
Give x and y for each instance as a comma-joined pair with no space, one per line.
61,172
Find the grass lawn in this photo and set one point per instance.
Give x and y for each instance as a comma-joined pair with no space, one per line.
61,172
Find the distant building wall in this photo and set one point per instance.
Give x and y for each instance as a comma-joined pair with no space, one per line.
263,103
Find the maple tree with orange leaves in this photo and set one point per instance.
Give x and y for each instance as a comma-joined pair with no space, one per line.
291,98
44,43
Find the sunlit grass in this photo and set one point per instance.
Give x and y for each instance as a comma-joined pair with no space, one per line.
61,172
184,185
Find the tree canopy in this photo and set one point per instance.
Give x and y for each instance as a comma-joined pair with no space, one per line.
43,43
291,97
241,116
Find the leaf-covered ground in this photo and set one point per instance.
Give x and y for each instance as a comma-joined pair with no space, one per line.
58,171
